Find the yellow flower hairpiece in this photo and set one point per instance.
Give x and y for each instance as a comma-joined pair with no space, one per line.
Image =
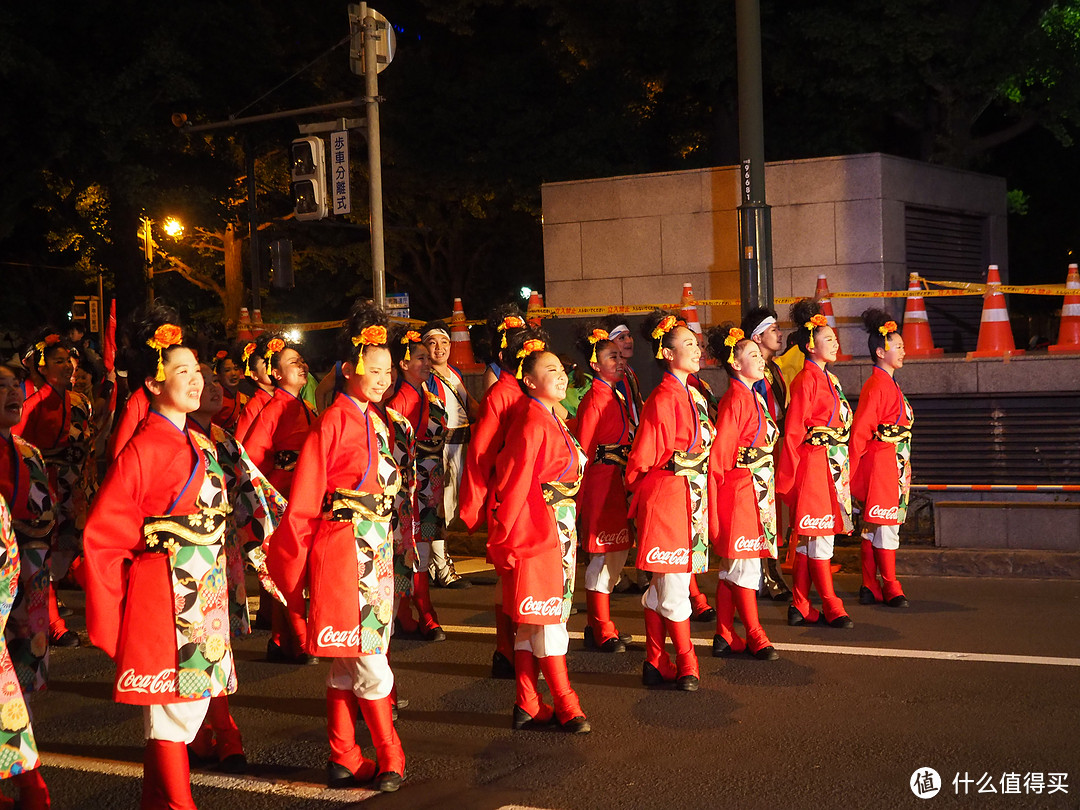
249,350
531,345
42,345
166,335
815,322
887,329
662,328
369,336
408,338
596,336
734,335
508,323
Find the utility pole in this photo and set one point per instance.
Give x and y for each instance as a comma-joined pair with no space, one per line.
371,105
755,219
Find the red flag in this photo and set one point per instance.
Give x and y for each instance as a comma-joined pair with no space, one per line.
109,349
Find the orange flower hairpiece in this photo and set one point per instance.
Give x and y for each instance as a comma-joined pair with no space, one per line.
508,323
408,338
815,322
272,348
662,328
530,346
166,335
221,355
887,329
596,336
249,350
369,336
42,345
734,335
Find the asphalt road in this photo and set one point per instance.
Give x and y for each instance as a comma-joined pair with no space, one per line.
979,677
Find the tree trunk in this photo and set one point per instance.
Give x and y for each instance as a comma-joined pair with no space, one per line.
234,278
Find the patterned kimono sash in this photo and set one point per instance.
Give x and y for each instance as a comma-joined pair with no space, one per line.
560,497
616,454
835,440
759,460
694,467
285,460
429,470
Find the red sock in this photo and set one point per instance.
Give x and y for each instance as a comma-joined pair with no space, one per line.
886,563
57,625
526,669
746,601
33,793
428,618
341,711
655,653
831,605
389,755
563,695
226,732
800,589
869,569
166,777
725,616
686,662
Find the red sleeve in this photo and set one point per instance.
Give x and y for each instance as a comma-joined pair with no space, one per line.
654,440
515,475
484,447
803,392
135,410
259,442
868,416
408,406
588,419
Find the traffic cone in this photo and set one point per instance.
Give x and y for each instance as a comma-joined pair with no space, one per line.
461,353
821,295
918,342
257,327
534,304
689,314
995,331
243,328
1069,333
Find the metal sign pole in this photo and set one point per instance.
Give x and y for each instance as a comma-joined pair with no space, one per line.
371,87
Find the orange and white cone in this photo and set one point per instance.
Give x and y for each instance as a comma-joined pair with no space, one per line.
995,331
1069,333
821,295
243,327
534,304
461,353
688,312
918,342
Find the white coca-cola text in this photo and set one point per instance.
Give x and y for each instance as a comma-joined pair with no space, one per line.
877,513
680,556
532,607
744,544
809,523
329,637
612,538
162,683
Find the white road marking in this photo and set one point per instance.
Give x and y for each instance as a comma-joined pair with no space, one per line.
834,649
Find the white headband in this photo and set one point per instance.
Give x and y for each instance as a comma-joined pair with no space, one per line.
438,330
618,330
761,327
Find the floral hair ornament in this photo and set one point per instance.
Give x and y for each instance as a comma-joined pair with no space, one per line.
221,355
508,323
531,346
816,322
412,336
662,328
369,336
245,358
273,347
596,336
166,335
42,345
734,335
887,329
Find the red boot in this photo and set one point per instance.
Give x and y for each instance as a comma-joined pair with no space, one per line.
890,585
347,765
699,605
59,634
686,662
801,612
529,709
745,600
502,661
227,740
428,620
406,623
201,750
657,668
166,777
33,793
870,592
600,633
567,708
726,641
379,717
831,605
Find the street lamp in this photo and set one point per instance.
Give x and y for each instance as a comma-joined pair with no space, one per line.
172,227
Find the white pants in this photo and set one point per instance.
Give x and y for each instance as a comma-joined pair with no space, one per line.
669,595
542,640
744,573
604,570
453,469
818,548
884,537
369,677
174,722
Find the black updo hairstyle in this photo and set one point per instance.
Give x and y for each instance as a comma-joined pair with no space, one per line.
719,350
666,340
587,348
363,314
45,341
517,343
801,312
399,346
263,346
496,337
873,321
143,357
754,318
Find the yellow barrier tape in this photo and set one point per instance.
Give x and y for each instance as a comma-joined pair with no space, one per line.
978,288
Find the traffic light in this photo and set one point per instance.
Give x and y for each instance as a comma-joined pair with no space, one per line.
309,178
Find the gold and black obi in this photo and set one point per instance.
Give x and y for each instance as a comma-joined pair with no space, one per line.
344,505
617,454
824,436
893,434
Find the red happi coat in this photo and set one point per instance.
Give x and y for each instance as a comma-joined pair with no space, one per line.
129,595
524,543
281,427
135,410
259,400
341,451
498,408
232,405
733,508
803,476
874,479
603,417
661,499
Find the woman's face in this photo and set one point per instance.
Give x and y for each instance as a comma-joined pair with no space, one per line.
210,401
181,391
418,367
610,364
375,381
826,345
894,357
84,383
230,374
11,399
290,370
547,380
749,361
685,352
59,367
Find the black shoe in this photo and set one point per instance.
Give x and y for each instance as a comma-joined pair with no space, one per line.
650,675
842,622
576,725
781,596
898,601
402,634
458,584
502,667
626,638
720,647
388,781
522,720
688,683
338,776
611,645
63,610
767,653
435,633
276,655
866,596
69,638
794,618
234,763
707,615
